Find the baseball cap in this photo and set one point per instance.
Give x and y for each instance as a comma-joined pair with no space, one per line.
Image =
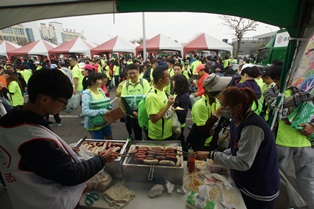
88,67
215,83
200,67
53,66
37,63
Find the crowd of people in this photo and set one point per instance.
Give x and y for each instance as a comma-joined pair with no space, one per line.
220,94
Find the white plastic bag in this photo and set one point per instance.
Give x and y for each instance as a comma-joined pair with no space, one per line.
289,196
176,126
101,180
74,102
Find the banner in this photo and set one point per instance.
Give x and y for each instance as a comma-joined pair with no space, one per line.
304,76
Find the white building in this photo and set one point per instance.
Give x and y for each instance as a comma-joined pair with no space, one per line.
32,31
56,31
15,34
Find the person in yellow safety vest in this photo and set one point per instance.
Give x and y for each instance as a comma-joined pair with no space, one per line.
103,61
186,69
170,63
107,72
116,72
37,65
129,61
225,62
234,61
196,63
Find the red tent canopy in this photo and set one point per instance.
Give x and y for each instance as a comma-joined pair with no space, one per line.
75,46
116,44
40,47
6,46
207,42
160,43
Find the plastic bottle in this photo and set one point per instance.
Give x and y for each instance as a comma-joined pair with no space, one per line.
191,161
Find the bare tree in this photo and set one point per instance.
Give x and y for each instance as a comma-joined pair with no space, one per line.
240,26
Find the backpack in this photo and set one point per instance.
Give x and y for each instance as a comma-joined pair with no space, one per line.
127,84
143,117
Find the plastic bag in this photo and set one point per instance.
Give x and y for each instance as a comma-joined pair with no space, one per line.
176,126
195,200
304,113
101,180
74,102
118,195
289,197
156,191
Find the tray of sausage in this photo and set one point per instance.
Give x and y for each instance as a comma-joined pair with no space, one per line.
165,156
154,162
101,146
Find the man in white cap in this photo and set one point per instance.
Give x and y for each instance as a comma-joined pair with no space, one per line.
37,65
203,114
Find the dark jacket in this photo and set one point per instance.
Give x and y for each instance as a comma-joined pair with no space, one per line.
182,100
44,158
262,178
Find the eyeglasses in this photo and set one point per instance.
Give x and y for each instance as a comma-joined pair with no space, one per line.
62,101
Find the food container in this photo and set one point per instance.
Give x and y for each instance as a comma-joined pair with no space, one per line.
216,168
200,164
157,173
114,168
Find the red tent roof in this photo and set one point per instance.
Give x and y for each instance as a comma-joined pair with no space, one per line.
77,46
160,42
6,46
207,42
116,44
40,47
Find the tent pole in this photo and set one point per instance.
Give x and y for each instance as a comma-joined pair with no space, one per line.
144,37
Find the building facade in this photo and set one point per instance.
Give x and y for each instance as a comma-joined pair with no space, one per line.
15,34
25,33
69,35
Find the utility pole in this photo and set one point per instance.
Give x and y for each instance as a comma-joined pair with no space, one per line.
144,37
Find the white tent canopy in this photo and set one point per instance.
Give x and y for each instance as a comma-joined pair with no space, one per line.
76,46
161,43
6,46
207,42
40,47
116,44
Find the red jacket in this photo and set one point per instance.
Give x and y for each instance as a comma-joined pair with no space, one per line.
200,84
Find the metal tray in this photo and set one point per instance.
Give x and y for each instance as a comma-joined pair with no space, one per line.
114,168
153,173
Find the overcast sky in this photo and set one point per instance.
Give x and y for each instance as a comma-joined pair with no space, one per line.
180,26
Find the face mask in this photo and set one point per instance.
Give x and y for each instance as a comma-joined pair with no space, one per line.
226,114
